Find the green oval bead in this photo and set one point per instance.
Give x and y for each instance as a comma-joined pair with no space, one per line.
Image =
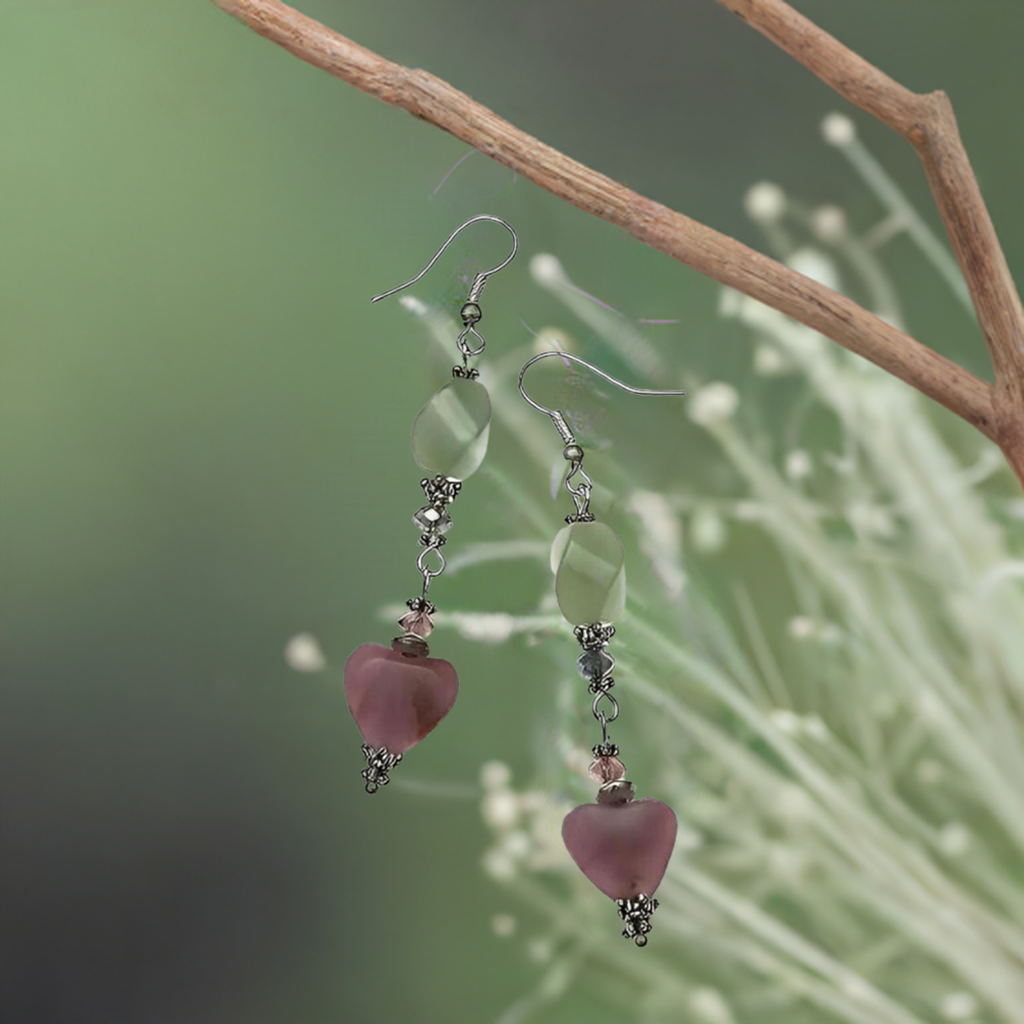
450,433
590,573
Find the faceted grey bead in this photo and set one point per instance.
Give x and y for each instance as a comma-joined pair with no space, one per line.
594,665
432,520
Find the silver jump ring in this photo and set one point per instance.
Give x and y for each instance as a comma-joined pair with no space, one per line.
466,351
428,573
600,715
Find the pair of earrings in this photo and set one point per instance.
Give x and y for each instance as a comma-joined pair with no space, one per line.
398,694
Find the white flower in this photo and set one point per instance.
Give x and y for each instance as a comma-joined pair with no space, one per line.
495,775
958,1006
540,951
870,520
415,306
500,809
801,627
829,223
486,627
954,839
786,862
713,403
765,202
708,1005
517,845
798,464
785,720
303,654
547,269
499,865
770,362
708,532
838,130
503,925
730,302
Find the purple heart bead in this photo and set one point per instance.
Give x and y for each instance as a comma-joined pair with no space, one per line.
396,699
622,848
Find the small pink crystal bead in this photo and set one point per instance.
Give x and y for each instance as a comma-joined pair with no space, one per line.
606,769
396,700
623,848
419,623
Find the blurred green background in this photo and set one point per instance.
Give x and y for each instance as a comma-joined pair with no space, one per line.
204,441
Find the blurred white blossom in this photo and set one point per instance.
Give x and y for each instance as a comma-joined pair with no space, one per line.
829,223
713,403
503,925
838,130
709,1006
958,1006
303,654
765,202
798,464
769,361
708,530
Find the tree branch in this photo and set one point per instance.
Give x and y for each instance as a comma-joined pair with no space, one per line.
927,121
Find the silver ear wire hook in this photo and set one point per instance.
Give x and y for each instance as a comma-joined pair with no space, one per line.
573,451
471,313
556,417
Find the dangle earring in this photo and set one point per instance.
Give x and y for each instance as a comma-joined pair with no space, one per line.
398,694
622,845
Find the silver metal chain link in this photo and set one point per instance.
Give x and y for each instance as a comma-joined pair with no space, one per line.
582,490
604,720
428,573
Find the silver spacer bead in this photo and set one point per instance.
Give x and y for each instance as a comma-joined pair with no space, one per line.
410,646
618,792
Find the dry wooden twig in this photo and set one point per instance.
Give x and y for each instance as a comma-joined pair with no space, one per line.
927,121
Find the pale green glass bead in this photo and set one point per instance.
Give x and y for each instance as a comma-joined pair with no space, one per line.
450,434
590,573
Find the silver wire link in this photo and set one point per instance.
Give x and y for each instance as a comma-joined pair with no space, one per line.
464,348
581,492
604,720
428,573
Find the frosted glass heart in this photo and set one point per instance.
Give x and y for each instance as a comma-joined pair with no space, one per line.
624,848
450,434
395,699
